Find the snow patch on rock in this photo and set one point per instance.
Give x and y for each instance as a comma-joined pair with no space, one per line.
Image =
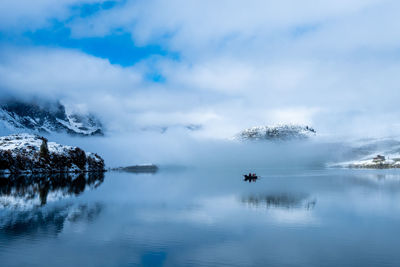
17,116
20,153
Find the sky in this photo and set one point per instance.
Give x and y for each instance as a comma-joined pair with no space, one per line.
223,64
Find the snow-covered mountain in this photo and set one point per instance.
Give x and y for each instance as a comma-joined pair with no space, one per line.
18,116
26,153
279,132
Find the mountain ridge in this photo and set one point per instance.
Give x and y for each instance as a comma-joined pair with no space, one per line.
20,116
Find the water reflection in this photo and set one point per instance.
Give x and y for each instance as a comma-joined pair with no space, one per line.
395,177
283,201
250,178
195,218
31,191
45,221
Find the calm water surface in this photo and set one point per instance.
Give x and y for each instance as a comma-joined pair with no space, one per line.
197,217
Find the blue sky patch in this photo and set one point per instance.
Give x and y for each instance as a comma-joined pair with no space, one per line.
86,10
118,48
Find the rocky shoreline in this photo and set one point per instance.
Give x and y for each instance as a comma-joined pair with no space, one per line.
26,153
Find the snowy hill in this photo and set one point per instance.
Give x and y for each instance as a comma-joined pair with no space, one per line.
364,154
25,153
278,132
17,116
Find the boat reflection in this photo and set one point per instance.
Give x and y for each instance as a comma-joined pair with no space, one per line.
282,201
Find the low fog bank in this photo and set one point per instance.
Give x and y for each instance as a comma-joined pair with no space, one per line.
183,150
180,148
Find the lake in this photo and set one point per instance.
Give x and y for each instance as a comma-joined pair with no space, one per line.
203,217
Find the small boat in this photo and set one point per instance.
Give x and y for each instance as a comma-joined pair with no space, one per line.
250,177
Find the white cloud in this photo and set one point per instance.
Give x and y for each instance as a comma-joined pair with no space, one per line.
26,14
62,72
194,25
332,64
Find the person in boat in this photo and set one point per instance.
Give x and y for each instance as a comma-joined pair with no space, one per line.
250,178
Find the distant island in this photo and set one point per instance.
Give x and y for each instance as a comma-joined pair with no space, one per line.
144,168
27,153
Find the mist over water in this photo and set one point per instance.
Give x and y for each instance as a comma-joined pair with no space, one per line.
197,209
186,150
210,216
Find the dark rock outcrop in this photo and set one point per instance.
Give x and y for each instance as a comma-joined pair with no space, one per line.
25,153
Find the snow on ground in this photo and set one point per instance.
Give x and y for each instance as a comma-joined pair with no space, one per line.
28,146
30,143
368,162
276,132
